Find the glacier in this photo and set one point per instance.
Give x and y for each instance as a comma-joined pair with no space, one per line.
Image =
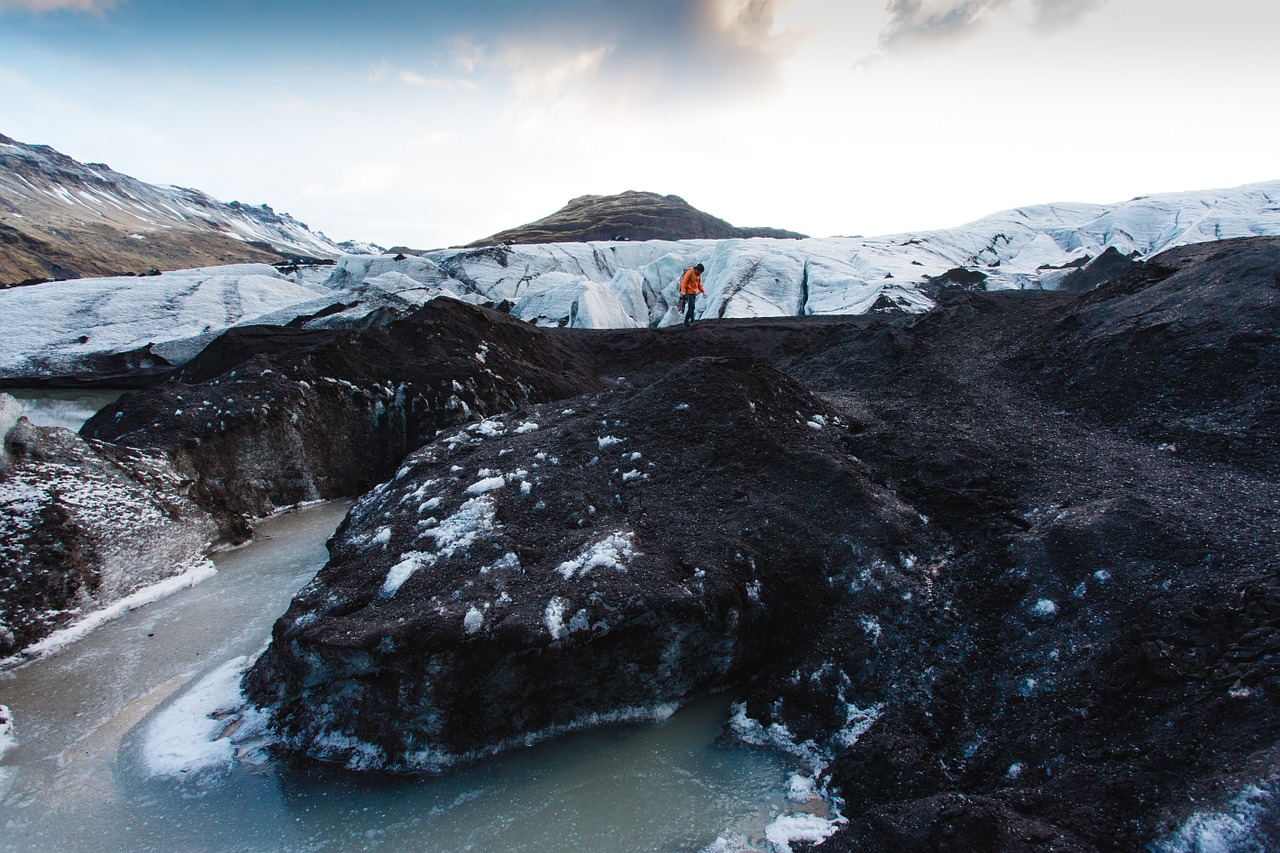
620,284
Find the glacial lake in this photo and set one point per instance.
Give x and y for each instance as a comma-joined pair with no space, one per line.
78,778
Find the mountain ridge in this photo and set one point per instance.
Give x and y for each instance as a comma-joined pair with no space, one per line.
630,215
62,219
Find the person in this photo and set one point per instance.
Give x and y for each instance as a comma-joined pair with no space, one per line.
690,287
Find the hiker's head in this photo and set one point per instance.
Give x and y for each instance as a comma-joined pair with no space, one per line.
699,268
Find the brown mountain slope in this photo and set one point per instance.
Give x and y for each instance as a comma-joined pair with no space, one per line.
60,219
628,216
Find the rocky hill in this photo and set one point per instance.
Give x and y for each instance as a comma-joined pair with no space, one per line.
61,219
627,216
1000,574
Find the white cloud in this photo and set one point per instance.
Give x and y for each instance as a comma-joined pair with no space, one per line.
92,7
1054,15
924,23
549,69
378,72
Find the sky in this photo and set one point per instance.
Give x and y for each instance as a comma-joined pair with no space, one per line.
430,124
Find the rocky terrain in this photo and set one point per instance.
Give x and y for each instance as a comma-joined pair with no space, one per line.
627,216
1001,574
62,219
83,524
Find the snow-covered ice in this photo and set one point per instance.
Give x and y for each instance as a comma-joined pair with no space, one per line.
619,284
199,732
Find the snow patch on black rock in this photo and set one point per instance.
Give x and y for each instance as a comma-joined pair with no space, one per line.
632,552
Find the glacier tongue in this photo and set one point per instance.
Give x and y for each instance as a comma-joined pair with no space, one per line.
617,284
624,284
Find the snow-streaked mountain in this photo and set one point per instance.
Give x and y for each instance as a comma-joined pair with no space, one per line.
615,285
60,218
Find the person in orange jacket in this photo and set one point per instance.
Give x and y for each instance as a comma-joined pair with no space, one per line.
690,287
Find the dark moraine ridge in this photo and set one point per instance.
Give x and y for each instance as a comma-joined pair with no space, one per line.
1009,567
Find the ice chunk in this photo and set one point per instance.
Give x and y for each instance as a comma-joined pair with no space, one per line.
1044,608
613,552
488,484
553,618
786,828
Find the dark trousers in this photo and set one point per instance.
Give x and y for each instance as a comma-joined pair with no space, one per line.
691,299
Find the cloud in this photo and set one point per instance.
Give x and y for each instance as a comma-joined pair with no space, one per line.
92,7
537,69
912,24
616,54
1054,15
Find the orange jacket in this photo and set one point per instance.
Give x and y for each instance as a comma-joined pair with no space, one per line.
691,283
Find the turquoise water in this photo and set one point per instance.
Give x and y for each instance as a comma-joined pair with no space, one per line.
77,780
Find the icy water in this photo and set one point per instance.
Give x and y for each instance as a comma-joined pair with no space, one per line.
77,779
63,408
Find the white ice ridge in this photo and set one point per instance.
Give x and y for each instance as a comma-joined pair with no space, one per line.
617,284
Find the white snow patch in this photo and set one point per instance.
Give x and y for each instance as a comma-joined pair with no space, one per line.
786,828
553,618
190,737
608,441
489,428
455,533
8,737
1044,608
611,552
857,721
801,788
403,570
488,484
473,621
526,427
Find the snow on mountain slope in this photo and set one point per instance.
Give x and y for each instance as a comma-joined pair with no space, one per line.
62,218
626,284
